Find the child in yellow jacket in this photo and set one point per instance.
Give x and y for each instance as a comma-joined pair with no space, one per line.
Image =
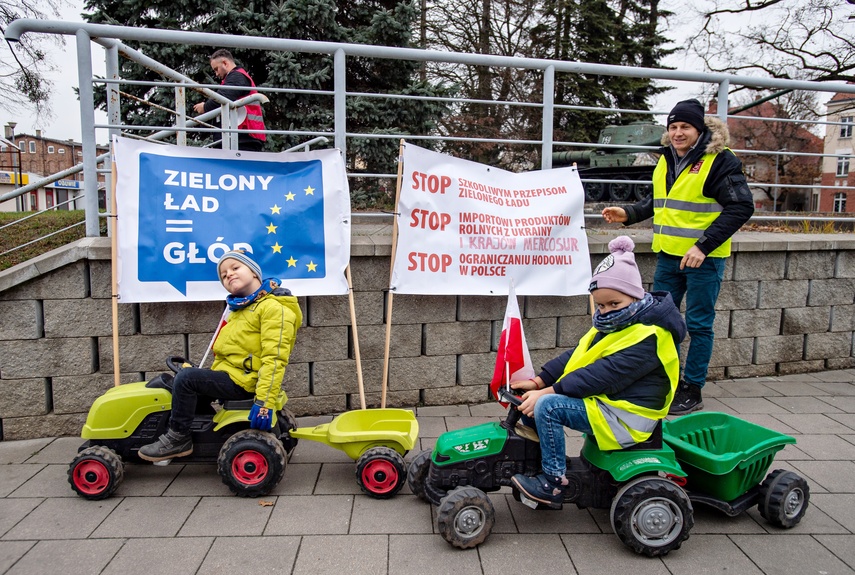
252,351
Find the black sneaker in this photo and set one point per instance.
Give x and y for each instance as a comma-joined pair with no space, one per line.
686,400
170,444
542,488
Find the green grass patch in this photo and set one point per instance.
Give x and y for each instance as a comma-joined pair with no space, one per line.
30,230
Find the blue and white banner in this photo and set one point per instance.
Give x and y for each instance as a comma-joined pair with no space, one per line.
180,209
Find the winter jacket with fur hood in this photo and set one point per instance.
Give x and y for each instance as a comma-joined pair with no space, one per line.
726,184
255,344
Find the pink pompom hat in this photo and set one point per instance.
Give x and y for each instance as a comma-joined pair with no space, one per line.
618,270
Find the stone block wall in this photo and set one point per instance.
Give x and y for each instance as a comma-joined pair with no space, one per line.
787,305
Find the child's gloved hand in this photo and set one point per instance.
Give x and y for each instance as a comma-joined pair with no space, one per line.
259,417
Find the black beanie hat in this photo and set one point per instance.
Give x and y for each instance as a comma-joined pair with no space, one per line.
689,111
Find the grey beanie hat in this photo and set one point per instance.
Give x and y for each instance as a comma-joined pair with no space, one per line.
240,255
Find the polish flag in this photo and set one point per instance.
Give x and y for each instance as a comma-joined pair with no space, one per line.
224,319
513,361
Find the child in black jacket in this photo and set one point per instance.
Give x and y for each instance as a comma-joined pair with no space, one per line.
616,384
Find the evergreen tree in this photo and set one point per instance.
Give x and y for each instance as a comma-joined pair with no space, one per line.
378,22
622,33
619,32
494,28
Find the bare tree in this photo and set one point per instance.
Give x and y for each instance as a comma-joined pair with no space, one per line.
497,27
799,39
24,65
785,130
620,32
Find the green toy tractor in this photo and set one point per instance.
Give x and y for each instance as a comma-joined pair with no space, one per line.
645,488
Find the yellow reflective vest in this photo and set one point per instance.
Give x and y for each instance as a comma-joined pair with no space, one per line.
620,423
681,216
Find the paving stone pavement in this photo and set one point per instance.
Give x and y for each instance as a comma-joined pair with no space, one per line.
181,519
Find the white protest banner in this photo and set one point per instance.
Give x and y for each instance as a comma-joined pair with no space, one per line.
180,209
466,228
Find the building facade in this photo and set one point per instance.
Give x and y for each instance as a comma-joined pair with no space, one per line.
781,180
837,170
25,158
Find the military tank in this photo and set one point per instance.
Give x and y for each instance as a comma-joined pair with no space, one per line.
630,169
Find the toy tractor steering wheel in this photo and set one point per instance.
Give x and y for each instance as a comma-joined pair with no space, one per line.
510,397
176,363
514,414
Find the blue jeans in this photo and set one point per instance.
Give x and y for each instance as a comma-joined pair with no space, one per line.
700,286
551,414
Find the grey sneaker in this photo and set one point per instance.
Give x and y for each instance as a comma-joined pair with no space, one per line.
170,444
686,400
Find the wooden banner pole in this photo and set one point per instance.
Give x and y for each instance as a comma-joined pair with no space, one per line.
355,337
391,267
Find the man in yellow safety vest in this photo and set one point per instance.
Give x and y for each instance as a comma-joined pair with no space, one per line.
700,199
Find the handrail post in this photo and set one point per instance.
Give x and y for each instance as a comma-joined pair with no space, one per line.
548,116
114,113
723,88
181,115
87,128
226,124
114,102
339,103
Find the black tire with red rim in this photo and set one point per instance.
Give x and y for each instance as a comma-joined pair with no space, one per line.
381,472
96,473
252,463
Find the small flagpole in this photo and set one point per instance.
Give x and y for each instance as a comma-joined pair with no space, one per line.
508,335
214,338
389,294
508,376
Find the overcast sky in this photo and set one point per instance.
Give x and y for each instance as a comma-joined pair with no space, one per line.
65,122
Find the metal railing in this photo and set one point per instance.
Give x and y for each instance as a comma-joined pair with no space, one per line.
111,38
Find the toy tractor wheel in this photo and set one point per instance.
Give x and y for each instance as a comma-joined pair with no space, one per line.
96,473
465,517
251,463
652,516
784,498
381,472
417,474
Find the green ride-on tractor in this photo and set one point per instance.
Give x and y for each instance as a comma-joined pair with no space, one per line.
250,462
646,489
